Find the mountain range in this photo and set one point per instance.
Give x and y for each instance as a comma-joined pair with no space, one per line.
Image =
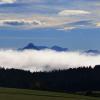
55,48
32,46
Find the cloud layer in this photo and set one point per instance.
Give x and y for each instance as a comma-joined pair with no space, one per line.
51,14
45,60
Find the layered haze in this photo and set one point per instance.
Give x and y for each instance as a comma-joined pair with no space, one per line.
46,60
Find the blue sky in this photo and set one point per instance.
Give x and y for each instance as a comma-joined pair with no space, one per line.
74,24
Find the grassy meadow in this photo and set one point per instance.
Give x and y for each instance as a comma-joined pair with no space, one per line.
23,94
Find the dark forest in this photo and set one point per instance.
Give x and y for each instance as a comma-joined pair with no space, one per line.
70,80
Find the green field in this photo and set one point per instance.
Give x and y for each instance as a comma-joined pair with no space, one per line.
23,94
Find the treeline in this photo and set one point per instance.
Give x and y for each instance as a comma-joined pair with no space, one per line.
71,80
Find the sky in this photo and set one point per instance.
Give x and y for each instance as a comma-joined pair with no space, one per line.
74,24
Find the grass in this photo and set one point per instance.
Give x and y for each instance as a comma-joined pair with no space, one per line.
23,94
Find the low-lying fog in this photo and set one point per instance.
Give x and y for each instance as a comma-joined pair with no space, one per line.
45,60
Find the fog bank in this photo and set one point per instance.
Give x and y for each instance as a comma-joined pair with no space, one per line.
45,60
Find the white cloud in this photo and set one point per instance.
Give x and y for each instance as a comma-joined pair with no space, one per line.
67,28
35,21
73,12
7,1
45,60
98,24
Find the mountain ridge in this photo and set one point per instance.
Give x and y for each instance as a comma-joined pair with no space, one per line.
32,46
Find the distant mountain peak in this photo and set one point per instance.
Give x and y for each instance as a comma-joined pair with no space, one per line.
30,46
57,48
92,51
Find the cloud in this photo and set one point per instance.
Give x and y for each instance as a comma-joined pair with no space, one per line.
98,24
14,23
80,24
7,1
49,13
22,23
67,28
45,60
35,21
39,21
73,12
